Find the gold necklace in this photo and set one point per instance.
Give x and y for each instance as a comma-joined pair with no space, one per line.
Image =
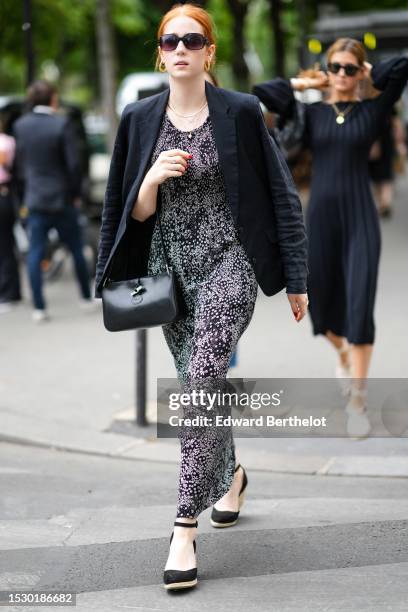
186,116
189,131
341,115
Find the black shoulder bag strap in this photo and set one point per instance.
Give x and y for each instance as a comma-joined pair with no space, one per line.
158,208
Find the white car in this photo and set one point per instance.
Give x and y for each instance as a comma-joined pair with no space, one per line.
139,85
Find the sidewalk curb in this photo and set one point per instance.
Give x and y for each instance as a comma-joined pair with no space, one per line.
106,444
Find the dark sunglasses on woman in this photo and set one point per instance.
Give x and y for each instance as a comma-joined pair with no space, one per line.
349,69
192,41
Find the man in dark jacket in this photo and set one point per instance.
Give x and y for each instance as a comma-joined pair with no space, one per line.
47,158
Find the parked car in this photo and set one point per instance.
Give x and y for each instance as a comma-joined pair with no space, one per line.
138,85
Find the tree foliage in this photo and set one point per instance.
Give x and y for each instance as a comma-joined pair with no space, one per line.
65,44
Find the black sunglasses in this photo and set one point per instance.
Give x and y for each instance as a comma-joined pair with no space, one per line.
349,69
193,41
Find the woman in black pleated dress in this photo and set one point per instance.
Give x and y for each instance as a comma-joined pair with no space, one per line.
341,219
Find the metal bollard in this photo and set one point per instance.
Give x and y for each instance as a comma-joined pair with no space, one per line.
141,377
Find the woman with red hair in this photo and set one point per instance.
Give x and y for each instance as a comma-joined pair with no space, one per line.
231,219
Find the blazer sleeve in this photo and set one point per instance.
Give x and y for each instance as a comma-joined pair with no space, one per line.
390,77
113,204
287,209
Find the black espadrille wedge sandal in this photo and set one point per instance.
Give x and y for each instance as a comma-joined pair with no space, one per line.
226,518
181,579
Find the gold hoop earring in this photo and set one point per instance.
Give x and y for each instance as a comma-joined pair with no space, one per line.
207,65
162,67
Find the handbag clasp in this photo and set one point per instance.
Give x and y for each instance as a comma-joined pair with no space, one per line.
138,290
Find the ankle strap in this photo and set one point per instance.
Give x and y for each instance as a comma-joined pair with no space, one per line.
180,524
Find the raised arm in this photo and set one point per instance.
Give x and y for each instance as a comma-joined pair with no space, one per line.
277,95
390,77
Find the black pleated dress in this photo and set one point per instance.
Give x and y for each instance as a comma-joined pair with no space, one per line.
341,218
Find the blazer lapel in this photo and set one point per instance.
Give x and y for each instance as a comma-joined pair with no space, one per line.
225,134
148,133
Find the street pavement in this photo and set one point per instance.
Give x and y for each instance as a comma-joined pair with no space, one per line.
100,527
88,498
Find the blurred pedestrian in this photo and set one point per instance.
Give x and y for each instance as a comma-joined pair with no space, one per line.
380,166
230,217
342,220
9,272
383,156
48,159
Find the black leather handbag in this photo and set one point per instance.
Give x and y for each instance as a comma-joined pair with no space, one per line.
147,301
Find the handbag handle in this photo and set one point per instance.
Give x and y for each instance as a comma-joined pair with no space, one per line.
158,206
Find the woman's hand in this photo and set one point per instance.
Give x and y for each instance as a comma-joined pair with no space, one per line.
319,80
173,162
298,303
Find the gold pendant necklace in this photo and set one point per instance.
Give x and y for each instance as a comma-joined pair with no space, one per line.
188,117
341,115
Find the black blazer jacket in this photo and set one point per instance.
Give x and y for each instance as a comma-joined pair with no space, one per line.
47,161
263,199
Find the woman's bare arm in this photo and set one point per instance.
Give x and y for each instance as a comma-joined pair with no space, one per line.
146,202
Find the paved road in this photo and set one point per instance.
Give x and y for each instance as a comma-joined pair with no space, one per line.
100,527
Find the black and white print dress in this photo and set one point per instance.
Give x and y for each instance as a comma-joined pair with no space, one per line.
219,288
